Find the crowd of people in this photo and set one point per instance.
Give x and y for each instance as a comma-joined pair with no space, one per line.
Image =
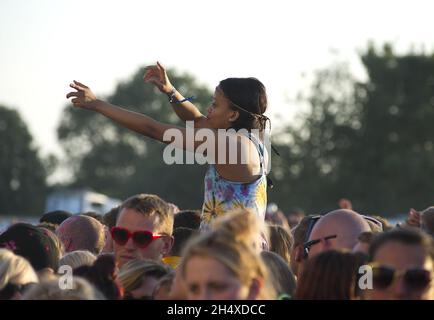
149,249
233,248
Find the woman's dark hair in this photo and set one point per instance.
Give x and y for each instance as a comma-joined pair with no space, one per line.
39,246
55,217
279,274
187,219
330,275
103,276
181,237
109,218
249,98
281,241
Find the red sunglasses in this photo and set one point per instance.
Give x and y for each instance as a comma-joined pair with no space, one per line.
141,239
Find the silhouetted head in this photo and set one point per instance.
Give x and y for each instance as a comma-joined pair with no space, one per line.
55,217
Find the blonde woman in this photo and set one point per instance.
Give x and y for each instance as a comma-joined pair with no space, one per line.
281,242
243,225
216,267
16,274
140,277
236,226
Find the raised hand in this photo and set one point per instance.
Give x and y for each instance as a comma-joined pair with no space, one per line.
413,218
83,97
157,75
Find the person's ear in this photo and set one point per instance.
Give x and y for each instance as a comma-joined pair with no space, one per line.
234,116
255,288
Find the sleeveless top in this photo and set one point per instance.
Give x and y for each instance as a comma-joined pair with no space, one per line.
222,195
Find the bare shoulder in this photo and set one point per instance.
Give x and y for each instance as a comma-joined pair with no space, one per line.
242,160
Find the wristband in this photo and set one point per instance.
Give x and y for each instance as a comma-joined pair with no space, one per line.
186,99
171,95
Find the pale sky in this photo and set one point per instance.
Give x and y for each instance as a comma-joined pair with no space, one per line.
45,44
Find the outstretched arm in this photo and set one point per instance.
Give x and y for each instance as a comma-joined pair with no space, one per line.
169,134
186,111
140,123
84,98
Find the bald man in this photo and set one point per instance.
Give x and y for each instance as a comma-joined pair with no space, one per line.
337,229
82,233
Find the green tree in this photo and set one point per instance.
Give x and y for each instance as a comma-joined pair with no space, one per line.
395,143
308,172
371,141
111,159
22,174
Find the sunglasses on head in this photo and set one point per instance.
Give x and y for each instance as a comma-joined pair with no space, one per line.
372,219
311,223
414,279
141,239
314,219
309,244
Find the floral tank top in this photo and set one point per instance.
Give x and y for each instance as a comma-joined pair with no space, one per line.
222,195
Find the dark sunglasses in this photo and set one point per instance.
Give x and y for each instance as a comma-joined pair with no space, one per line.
377,222
309,244
141,239
312,221
414,279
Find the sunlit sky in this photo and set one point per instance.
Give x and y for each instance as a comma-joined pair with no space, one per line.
47,43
